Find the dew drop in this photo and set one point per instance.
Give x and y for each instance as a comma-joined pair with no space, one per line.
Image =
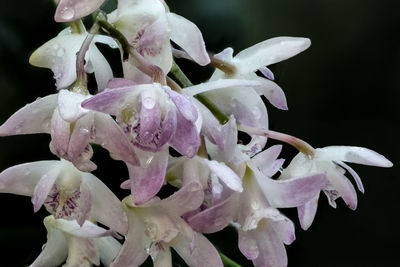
149,102
255,206
60,52
256,112
67,13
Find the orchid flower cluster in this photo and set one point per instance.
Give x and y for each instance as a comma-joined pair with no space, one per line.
167,131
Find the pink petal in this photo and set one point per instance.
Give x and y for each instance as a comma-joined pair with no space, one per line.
85,203
264,161
307,212
186,34
183,104
291,192
43,188
215,218
146,180
272,92
267,73
81,135
110,136
22,179
186,139
352,173
211,128
33,118
344,187
133,251
60,134
69,10
200,253
150,117
119,82
186,199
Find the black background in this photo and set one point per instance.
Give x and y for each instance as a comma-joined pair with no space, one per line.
343,90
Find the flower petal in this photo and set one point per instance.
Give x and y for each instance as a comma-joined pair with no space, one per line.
150,116
186,139
69,105
56,248
220,84
147,179
43,188
267,73
102,70
291,192
353,173
161,256
59,55
22,179
307,212
226,174
69,10
269,52
343,186
215,218
183,104
33,118
200,253
133,251
110,136
186,199
186,34
108,249
272,92
60,134
355,154
87,230
263,161
106,207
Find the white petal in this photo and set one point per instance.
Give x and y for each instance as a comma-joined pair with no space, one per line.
354,154
186,34
226,174
33,118
108,248
106,207
269,52
56,248
88,229
69,105
22,179
220,84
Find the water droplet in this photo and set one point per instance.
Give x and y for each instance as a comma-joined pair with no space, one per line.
60,52
67,13
254,205
149,160
149,102
151,230
55,46
256,112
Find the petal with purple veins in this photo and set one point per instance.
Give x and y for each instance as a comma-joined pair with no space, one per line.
43,188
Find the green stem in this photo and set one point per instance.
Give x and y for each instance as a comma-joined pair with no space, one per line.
183,81
227,261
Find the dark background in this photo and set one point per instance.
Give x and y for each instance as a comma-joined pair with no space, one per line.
343,90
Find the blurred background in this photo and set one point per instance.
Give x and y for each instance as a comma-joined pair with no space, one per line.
343,90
